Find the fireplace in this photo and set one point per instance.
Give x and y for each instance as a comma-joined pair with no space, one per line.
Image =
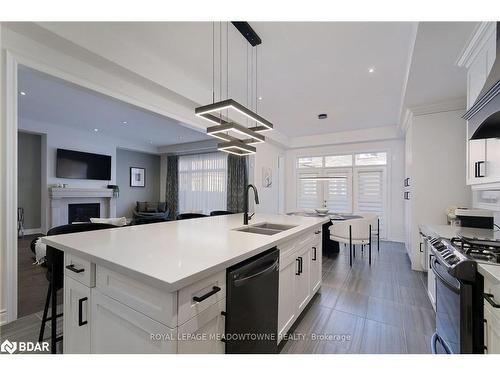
82,212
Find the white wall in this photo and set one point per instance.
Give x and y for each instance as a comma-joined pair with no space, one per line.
3,245
395,176
267,156
59,136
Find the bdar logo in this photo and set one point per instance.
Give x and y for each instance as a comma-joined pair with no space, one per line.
9,347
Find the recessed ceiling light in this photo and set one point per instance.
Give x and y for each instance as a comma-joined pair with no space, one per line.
124,122
371,70
23,93
96,130
260,97
322,116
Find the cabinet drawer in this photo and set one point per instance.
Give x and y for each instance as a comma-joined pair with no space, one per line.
288,248
209,290
203,333
155,303
492,288
79,269
117,328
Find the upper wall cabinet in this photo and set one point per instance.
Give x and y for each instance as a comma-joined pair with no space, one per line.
478,57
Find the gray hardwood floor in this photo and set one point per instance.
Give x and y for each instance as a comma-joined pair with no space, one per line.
379,309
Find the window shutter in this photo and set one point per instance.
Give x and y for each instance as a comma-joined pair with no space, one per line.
308,194
370,194
338,194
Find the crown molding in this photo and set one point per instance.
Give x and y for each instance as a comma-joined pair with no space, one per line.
455,104
479,37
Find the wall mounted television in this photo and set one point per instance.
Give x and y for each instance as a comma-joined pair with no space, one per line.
83,165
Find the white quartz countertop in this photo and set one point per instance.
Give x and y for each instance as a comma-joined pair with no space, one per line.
174,254
448,231
490,271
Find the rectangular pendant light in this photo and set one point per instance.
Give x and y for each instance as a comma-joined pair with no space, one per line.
207,110
236,148
220,130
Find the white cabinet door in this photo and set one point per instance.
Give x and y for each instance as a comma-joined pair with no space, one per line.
493,159
203,334
491,331
287,301
116,328
76,323
316,271
476,158
302,280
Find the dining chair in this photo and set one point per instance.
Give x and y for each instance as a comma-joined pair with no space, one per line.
353,232
189,215
374,221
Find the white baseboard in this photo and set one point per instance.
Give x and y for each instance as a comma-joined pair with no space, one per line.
3,317
27,232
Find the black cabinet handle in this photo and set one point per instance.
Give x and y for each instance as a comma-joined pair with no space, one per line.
406,195
298,267
421,248
80,312
314,253
406,182
490,298
214,290
479,168
475,169
317,232
71,267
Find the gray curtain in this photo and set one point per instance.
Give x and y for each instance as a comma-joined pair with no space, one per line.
172,191
237,180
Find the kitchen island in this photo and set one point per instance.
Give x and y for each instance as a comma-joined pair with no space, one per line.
131,289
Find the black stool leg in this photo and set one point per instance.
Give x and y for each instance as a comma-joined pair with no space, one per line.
45,312
354,251
350,246
53,320
378,235
370,247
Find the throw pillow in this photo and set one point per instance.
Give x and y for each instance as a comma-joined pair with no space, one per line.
151,206
141,206
162,206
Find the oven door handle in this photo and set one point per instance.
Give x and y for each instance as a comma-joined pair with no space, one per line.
443,280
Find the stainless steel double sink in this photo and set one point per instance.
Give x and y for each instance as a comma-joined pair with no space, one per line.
267,229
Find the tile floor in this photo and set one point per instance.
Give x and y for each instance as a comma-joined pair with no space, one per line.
379,309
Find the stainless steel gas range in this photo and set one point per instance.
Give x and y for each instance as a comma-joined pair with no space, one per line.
459,292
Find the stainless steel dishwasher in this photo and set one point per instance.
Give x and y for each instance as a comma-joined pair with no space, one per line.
252,305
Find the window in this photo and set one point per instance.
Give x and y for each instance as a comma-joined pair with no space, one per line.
203,182
374,158
342,186
310,162
338,161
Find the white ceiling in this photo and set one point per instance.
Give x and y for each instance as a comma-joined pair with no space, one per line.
305,68
434,76
51,100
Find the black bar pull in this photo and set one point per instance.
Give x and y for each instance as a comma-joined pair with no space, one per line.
490,298
420,247
317,232
475,169
314,253
80,311
72,267
298,267
214,290
479,163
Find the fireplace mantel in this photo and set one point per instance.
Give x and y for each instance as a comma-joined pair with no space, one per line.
56,192
60,198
